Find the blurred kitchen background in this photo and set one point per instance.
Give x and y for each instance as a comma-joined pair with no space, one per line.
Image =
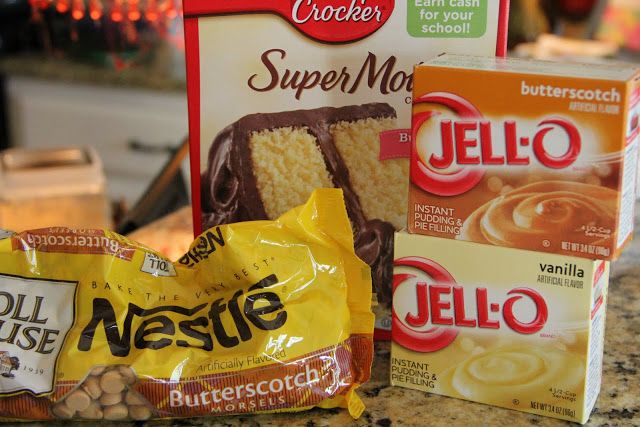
100,86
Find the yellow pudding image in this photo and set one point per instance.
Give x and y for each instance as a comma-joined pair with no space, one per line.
529,372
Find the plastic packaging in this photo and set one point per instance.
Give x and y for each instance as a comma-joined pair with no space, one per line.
257,316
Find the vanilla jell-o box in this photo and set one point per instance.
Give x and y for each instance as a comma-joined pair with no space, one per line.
525,154
507,327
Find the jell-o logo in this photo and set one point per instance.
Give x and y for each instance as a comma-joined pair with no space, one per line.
459,137
444,303
475,141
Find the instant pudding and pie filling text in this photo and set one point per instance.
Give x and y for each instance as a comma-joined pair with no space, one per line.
525,154
512,328
290,95
256,316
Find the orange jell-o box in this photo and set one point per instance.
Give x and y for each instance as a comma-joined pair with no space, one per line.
525,154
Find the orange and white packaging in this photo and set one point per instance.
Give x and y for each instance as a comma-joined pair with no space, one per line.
506,327
525,154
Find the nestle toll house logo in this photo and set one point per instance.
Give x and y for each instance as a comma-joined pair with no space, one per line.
8,364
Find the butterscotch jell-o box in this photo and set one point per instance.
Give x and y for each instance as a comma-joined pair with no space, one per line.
525,154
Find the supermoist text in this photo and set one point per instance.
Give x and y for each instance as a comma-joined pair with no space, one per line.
372,73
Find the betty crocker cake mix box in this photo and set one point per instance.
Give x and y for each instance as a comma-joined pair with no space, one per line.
286,96
507,327
525,154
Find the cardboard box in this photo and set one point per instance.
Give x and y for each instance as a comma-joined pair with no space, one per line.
512,328
526,154
287,96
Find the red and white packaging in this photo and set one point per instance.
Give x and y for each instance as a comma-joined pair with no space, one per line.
287,96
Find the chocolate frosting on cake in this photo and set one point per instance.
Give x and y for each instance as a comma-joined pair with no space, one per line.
230,191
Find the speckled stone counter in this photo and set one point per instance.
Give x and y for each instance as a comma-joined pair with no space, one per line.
63,70
617,405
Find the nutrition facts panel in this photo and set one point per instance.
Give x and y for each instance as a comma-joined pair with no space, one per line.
594,371
628,190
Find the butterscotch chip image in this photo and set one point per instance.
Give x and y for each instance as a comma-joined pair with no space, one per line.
139,412
92,387
104,394
116,412
78,400
132,398
265,164
62,411
128,375
98,370
93,412
108,399
112,382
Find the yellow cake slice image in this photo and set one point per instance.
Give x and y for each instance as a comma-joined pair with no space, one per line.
264,164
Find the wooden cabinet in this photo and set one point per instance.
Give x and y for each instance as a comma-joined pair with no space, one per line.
130,128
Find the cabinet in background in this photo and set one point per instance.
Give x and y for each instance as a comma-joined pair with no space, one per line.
130,128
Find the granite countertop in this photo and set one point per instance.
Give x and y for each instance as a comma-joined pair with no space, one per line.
617,405
152,77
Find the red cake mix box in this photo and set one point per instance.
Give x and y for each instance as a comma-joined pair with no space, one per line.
525,154
286,96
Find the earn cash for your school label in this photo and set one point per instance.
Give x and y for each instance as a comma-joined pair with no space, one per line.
447,18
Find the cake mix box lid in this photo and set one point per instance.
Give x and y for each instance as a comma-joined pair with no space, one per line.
287,96
518,329
547,162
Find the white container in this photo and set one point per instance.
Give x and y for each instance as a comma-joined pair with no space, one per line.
52,187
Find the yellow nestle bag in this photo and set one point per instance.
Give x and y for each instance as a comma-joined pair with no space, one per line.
257,316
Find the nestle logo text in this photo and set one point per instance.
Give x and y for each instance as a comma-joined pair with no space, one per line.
227,320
